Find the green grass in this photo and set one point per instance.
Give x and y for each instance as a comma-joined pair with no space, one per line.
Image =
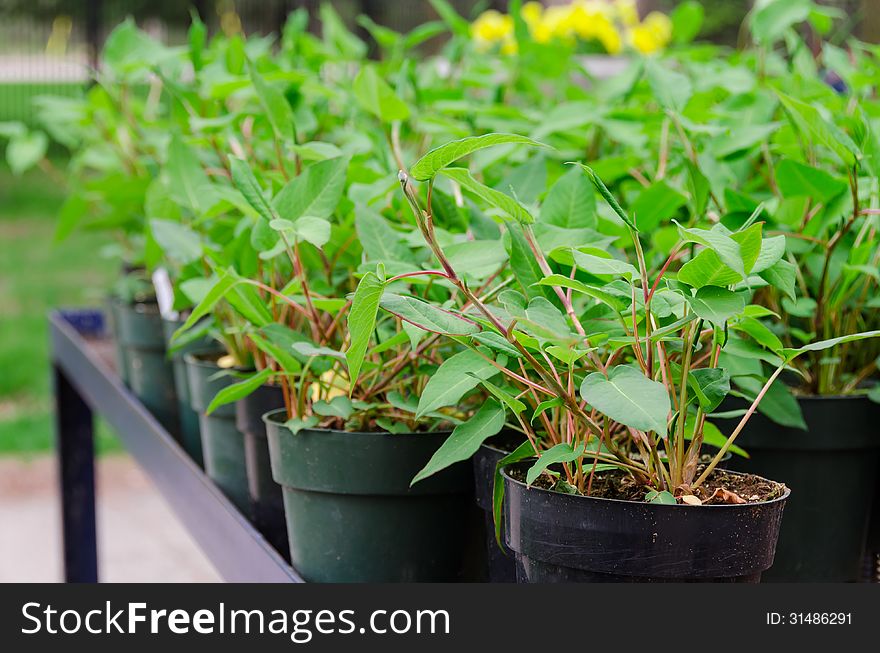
16,97
36,275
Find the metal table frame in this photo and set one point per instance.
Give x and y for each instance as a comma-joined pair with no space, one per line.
85,385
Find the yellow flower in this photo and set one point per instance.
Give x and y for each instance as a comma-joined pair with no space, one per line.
653,34
583,21
609,37
660,25
627,12
532,13
644,40
559,21
491,27
510,46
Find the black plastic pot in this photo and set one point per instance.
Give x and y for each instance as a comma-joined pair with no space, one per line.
190,437
352,515
265,493
143,361
222,442
832,470
570,538
501,564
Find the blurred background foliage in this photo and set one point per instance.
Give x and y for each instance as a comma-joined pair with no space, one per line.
48,46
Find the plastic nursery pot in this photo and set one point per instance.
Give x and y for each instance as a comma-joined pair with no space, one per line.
143,360
501,564
115,308
222,442
571,538
352,515
832,470
871,559
190,437
265,493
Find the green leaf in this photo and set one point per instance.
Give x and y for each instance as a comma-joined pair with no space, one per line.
296,424
608,197
239,390
717,305
560,453
629,397
662,497
497,342
362,321
427,316
451,17
337,407
502,395
796,179
525,268
571,203
70,215
312,230
781,275
523,451
600,265
671,88
711,436
477,258
25,151
187,181
821,345
770,19
375,95
561,281
244,180
711,385
440,157
275,105
493,197
178,242
656,204
687,19
379,240
457,375
727,249
221,287
545,406
466,438
772,250
316,192
759,332
807,119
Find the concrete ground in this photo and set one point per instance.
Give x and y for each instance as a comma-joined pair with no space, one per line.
139,538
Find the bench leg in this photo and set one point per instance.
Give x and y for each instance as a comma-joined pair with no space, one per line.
74,431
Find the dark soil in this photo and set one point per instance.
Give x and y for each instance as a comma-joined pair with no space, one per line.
620,485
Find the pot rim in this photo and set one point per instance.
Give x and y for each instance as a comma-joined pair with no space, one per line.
268,418
660,506
831,397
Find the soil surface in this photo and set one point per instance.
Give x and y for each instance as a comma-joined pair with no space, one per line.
721,487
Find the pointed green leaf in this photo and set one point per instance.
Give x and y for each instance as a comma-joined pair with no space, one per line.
362,321
493,197
456,376
466,438
440,157
239,390
629,397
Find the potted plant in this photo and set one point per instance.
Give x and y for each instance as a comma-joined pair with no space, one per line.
623,421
